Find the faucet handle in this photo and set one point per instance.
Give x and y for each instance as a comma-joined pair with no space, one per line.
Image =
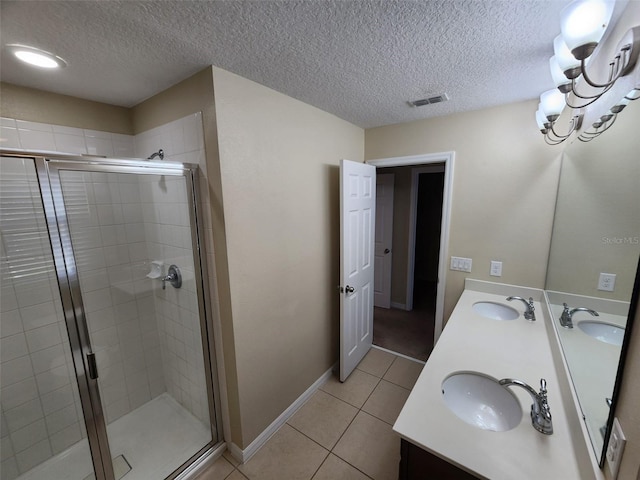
543,387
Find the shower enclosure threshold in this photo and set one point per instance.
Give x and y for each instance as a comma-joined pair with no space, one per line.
120,468
155,439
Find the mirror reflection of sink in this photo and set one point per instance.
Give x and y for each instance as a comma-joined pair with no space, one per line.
481,401
604,332
495,311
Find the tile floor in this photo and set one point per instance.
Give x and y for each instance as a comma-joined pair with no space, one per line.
342,433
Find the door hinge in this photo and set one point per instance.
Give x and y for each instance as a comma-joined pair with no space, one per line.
92,366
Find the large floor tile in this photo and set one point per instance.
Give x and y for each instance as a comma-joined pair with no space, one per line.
236,475
288,454
220,470
230,459
371,446
355,390
404,372
386,401
376,362
324,418
335,468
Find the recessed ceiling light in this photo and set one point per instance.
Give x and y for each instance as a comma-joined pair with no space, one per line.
36,57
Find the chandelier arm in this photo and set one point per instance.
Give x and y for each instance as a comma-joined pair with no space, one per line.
618,71
592,135
549,141
572,128
591,99
586,139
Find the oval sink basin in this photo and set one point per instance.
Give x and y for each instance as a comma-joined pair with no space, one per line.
481,401
604,332
495,311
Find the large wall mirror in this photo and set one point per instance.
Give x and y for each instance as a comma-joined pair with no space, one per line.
596,231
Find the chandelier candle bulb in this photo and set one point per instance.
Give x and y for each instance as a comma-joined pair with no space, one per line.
569,65
552,104
583,24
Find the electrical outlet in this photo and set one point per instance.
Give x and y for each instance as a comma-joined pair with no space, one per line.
496,268
461,264
607,282
615,448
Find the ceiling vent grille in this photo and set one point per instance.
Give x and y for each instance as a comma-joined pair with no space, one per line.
429,101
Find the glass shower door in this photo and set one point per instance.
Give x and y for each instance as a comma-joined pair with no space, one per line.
43,430
149,336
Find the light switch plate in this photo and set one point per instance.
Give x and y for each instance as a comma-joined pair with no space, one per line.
461,264
615,448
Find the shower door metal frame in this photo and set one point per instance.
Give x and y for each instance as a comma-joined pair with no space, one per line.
48,169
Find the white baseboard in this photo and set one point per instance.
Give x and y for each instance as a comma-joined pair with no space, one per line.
243,456
399,306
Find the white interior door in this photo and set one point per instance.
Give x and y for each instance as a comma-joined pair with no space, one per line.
357,227
383,240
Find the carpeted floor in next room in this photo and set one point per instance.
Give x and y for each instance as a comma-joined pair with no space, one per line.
409,333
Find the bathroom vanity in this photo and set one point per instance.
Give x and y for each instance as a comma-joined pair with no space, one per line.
481,344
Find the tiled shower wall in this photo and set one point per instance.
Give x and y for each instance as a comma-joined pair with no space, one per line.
41,413
167,233
124,225
105,220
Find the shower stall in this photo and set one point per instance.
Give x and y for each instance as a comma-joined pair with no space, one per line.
108,367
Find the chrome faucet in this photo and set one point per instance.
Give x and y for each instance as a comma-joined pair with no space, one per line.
529,313
540,412
174,277
159,153
566,319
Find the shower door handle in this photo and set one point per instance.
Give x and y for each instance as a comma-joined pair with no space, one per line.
92,366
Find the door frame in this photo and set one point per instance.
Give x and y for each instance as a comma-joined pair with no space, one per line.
448,158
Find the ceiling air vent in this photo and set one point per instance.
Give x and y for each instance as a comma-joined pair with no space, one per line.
430,101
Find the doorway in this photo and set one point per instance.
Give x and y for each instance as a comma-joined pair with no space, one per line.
422,191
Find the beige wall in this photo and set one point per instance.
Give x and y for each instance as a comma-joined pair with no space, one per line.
504,189
400,240
280,168
195,94
597,223
24,103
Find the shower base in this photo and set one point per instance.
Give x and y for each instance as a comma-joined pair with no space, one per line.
155,439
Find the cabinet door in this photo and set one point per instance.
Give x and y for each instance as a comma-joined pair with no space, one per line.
418,464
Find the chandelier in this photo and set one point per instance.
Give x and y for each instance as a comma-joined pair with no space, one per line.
583,23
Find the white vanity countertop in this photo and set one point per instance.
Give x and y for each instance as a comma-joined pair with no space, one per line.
517,349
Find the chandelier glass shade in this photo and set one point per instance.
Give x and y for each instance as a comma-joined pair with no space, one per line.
583,24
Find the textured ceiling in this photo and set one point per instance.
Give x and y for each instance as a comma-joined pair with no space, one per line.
360,60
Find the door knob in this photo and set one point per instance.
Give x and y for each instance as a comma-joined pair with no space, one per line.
350,289
386,250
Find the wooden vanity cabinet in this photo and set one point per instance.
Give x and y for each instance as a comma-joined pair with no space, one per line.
418,464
